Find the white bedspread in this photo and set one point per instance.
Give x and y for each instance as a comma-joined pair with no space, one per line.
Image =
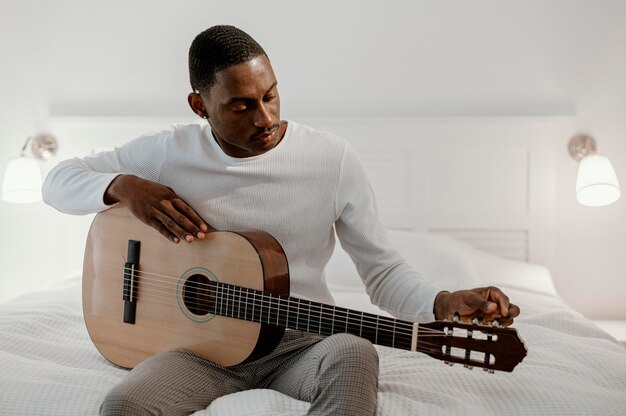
48,365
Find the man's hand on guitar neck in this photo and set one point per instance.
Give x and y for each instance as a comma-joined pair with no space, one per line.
158,206
485,303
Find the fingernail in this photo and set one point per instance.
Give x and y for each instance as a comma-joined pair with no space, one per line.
201,236
189,238
204,228
175,239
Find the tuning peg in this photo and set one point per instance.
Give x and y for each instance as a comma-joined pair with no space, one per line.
496,323
456,317
475,321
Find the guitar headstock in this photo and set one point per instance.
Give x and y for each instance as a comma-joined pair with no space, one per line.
489,347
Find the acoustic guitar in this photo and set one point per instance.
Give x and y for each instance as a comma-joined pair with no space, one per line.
227,298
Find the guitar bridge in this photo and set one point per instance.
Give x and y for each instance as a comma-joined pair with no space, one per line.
130,281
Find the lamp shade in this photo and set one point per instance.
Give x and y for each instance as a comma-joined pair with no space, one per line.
22,181
596,184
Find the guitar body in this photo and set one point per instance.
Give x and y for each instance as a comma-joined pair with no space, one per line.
168,311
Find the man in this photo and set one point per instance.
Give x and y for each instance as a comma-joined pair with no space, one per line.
249,169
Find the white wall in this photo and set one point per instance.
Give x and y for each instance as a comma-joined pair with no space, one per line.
391,58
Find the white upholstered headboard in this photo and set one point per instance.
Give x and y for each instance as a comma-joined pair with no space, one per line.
487,181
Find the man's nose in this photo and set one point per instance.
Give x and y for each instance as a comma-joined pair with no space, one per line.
262,117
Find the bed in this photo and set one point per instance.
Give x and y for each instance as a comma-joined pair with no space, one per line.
446,211
48,365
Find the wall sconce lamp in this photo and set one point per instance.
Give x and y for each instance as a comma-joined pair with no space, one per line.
22,177
596,183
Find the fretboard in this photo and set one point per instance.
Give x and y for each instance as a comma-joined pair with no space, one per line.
308,316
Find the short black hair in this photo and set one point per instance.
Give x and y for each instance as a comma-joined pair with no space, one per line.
216,49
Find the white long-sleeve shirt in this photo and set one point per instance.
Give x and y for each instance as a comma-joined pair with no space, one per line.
308,187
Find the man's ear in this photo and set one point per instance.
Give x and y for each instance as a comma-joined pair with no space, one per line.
197,106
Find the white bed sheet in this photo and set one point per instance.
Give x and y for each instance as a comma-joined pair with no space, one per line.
48,365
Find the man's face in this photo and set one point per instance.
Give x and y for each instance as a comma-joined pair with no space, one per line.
243,108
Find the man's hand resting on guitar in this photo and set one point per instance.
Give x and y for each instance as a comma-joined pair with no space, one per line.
158,206
485,303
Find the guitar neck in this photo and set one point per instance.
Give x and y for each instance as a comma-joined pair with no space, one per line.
305,315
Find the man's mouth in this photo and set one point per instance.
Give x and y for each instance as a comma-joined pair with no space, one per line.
266,135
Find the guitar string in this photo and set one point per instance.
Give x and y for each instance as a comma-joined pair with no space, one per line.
268,297
300,322
270,301
423,345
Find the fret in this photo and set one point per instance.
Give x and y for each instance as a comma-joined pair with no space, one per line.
393,340
258,312
239,305
269,307
354,322
404,336
221,300
278,309
217,298
274,309
385,332
229,301
287,314
319,317
253,306
225,301
245,312
237,301
361,326
376,336
332,326
369,326
340,319
231,293
308,318
298,315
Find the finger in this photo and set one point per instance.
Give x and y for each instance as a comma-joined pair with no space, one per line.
194,221
185,224
505,322
479,304
514,311
158,225
496,295
171,226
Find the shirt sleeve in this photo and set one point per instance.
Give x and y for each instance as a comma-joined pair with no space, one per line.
77,186
391,283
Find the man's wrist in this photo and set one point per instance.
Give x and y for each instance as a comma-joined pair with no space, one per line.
110,194
439,304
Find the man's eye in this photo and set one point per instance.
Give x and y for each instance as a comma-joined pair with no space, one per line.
239,108
269,98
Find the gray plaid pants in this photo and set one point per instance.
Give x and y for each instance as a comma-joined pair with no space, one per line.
338,375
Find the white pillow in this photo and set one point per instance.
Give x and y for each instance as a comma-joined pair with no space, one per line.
447,262
438,258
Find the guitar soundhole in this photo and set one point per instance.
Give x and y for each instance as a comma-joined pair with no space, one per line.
198,296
